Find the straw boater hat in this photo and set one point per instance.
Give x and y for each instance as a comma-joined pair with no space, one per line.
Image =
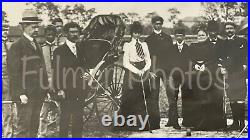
30,16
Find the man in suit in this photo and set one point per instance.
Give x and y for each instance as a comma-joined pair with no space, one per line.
180,66
235,63
60,39
49,106
160,46
68,64
28,77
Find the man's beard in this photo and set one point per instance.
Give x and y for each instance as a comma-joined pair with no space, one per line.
74,39
35,34
230,34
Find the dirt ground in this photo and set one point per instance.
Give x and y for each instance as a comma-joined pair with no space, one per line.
168,132
164,132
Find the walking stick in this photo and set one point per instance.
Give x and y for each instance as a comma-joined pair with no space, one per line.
145,102
242,131
224,97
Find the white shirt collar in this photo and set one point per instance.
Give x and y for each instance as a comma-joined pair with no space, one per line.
133,40
72,46
28,37
212,39
53,43
230,38
180,44
157,32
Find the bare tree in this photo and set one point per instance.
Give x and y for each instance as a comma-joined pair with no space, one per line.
78,13
173,12
46,10
224,10
133,17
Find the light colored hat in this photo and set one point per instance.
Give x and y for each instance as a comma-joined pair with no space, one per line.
30,16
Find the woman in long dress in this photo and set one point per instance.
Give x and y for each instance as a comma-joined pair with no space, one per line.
207,98
137,62
191,100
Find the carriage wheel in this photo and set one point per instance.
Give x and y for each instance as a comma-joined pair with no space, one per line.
108,100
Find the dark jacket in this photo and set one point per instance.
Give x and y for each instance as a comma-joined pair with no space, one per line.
27,70
234,54
180,59
207,52
160,47
68,69
234,57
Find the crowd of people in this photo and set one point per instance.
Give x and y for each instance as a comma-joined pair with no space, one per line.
204,73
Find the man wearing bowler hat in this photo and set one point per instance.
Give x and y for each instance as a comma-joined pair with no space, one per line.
28,77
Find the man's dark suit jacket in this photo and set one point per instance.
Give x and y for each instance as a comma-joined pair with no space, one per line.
69,70
160,47
180,59
27,70
234,54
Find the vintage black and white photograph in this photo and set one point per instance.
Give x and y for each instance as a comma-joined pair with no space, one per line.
125,69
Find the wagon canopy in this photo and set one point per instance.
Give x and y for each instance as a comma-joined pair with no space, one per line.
105,27
103,35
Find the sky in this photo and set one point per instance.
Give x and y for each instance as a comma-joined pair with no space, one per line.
14,10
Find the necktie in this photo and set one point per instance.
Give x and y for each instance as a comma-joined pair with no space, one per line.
33,44
51,52
139,50
180,47
213,41
74,50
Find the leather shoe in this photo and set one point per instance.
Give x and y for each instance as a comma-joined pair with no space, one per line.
242,125
177,126
168,124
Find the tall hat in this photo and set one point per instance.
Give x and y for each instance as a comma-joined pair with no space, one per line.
212,26
30,16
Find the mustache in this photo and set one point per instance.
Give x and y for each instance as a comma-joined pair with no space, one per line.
75,37
35,33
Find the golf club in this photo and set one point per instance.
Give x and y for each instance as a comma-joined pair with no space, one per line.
145,102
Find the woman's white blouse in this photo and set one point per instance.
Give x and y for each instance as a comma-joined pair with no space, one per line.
130,55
